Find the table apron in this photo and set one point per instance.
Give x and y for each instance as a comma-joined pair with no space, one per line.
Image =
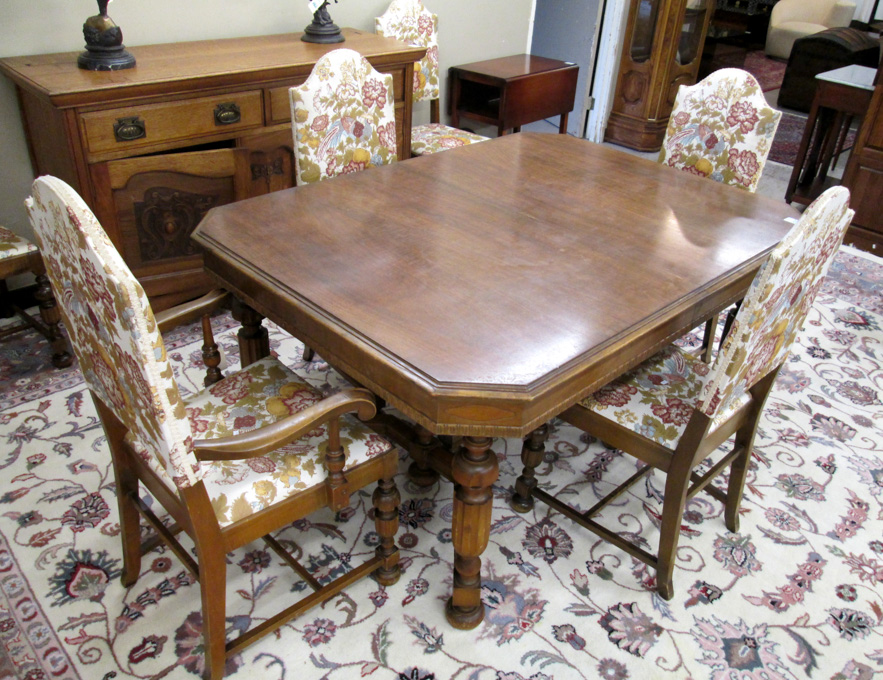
466,410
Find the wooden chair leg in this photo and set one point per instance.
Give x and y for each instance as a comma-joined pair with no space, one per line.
728,322
532,452
126,491
211,356
308,353
6,308
735,487
676,485
745,440
708,340
212,562
386,520
51,317
212,585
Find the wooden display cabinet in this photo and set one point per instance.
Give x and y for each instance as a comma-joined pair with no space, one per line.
864,179
662,50
179,99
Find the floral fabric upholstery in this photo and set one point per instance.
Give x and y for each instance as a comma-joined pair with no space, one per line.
435,137
657,398
343,118
112,327
773,311
410,22
123,359
259,395
721,128
12,245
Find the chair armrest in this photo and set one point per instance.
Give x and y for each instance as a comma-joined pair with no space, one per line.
190,311
259,442
841,14
788,10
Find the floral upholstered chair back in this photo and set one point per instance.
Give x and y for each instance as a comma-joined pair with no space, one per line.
112,328
343,118
410,22
776,305
721,128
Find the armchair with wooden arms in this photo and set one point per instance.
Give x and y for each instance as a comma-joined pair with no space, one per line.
673,411
245,457
721,128
410,22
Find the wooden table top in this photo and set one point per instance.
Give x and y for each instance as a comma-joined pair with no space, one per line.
515,66
485,289
211,63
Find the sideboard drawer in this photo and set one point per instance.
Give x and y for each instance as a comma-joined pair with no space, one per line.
279,109
136,127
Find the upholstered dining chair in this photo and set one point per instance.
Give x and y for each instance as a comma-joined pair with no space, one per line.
673,411
248,455
343,118
721,128
410,22
19,256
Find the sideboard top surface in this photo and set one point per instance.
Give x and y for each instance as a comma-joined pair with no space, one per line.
211,63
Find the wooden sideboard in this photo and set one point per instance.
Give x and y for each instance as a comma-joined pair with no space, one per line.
864,179
180,104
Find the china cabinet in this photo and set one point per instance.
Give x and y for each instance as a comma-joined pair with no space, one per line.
661,51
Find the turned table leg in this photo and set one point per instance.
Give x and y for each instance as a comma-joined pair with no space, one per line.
532,453
254,340
419,471
474,469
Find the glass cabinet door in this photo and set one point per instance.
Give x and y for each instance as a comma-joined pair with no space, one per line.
691,31
644,28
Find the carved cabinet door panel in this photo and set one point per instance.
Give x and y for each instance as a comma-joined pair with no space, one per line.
271,161
150,205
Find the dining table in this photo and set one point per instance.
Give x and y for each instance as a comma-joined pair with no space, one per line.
481,291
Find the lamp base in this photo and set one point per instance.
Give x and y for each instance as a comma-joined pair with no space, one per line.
98,58
325,33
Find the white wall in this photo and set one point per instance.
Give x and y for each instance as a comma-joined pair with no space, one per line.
468,31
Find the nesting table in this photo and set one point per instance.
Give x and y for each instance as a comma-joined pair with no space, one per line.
512,91
841,96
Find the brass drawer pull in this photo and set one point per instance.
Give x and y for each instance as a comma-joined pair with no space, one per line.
227,113
129,129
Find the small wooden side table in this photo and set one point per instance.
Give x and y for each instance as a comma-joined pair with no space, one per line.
512,91
841,95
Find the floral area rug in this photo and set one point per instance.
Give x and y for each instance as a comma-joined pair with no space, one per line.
797,593
769,72
787,140
789,134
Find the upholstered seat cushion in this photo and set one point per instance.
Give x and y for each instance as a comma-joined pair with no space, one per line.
435,137
12,245
657,398
260,394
